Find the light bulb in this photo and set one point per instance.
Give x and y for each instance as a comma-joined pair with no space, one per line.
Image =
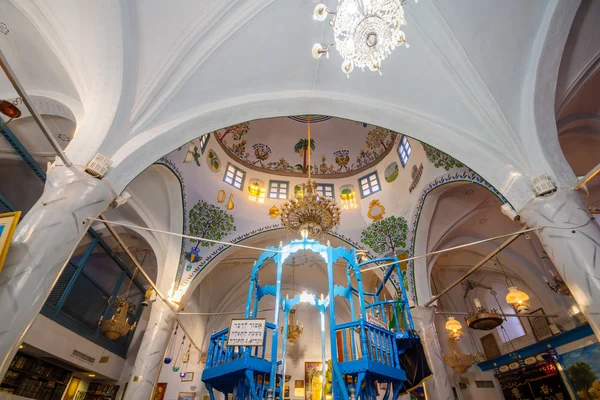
320,13
347,66
318,50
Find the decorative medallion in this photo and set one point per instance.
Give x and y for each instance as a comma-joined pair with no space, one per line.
416,174
221,196
391,172
193,255
214,163
274,212
376,210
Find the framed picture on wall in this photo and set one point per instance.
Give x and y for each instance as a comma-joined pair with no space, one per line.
8,224
159,392
189,377
72,389
186,396
312,385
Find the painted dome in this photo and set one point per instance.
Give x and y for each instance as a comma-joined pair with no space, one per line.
278,145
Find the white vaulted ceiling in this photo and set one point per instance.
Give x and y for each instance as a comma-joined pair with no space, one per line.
478,81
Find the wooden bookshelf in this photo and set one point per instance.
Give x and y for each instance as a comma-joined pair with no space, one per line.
98,391
35,379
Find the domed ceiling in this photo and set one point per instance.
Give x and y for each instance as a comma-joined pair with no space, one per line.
277,145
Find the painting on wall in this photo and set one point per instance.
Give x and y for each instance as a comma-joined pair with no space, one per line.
391,172
583,370
214,163
8,224
159,392
186,396
313,380
72,388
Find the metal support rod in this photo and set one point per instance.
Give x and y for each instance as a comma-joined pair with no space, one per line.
585,179
505,244
135,261
505,315
10,74
187,334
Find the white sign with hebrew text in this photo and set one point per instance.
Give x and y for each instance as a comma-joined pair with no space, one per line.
246,332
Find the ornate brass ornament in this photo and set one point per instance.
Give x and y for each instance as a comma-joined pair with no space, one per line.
221,196
376,210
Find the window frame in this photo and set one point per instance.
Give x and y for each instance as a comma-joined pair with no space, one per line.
326,185
236,169
407,149
278,191
203,144
367,177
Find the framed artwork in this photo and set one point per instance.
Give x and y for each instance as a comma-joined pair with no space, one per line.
186,396
189,377
72,388
312,384
539,325
159,392
583,368
8,224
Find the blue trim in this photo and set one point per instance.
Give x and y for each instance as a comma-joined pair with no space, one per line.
235,171
367,176
78,271
23,153
327,185
567,337
5,205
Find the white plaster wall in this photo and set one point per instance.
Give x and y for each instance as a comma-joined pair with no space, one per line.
57,340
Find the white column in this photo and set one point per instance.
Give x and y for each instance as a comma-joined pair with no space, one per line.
439,387
571,237
149,359
42,245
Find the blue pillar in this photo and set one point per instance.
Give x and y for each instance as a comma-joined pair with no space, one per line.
275,342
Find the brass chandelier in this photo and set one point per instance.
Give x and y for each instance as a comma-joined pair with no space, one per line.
308,210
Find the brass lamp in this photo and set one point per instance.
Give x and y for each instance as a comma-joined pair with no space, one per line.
454,328
518,299
10,109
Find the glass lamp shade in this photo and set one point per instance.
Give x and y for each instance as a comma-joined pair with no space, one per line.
320,12
452,325
518,299
9,109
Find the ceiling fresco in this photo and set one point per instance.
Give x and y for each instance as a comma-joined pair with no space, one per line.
278,145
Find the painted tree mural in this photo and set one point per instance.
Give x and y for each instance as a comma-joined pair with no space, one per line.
583,377
210,222
302,148
386,235
236,131
441,159
378,137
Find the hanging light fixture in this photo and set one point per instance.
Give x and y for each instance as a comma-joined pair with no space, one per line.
119,324
459,362
10,109
516,298
481,318
308,210
454,328
558,285
294,328
365,31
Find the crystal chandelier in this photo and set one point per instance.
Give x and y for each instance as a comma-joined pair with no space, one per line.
309,211
365,31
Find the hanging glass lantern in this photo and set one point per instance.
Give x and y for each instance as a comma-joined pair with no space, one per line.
518,299
454,328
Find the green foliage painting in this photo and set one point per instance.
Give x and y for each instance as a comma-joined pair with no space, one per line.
386,235
441,159
210,222
583,377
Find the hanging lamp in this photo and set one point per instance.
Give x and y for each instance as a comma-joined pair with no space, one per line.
454,328
10,109
118,325
309,211
169,352
516,298
295,329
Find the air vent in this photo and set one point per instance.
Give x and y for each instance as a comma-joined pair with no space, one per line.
98,166
83,357
542,185
484,384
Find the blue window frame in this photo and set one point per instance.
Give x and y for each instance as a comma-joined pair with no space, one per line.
234,176
325,190
369,184
278,189
204,142
404,150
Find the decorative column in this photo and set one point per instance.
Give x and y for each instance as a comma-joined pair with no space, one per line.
439,386
149,359
571,237
43,243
